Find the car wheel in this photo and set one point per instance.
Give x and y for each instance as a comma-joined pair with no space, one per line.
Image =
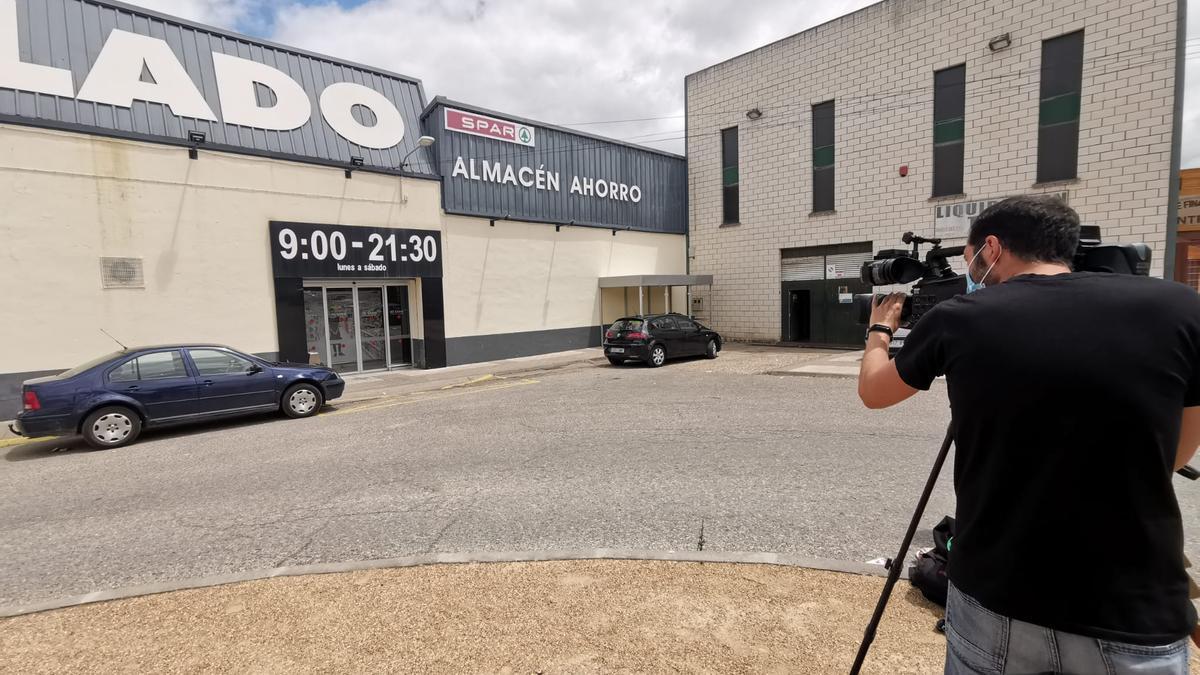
711,350
111,427
658,356
302,400
615,361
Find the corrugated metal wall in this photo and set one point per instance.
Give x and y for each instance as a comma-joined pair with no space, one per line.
812,264
70,33
661,177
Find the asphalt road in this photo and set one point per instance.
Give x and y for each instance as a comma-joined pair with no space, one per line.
596,457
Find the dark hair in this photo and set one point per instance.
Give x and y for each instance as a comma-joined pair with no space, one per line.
1039,228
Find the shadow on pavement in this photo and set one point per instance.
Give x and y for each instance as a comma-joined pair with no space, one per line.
70,445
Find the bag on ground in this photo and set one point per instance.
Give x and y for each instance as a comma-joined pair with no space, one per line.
928,572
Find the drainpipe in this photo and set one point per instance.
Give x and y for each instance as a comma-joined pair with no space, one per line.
1176,140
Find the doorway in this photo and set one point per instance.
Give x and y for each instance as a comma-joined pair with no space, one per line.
1187,259
799,316
817,286
353,328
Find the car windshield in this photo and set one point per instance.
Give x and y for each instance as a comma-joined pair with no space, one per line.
627,324
89,365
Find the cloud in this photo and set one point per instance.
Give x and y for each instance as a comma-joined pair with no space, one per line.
246,16
561,61
558,61
223,13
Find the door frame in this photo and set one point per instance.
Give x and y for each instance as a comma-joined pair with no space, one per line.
819,288
387,324
383,285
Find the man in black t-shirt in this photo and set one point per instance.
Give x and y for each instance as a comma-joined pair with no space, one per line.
1075,397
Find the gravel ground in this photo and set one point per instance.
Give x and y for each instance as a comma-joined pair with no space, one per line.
557,617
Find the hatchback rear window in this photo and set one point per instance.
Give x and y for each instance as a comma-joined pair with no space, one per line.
627,324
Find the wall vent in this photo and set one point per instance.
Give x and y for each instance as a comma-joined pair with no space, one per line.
121,273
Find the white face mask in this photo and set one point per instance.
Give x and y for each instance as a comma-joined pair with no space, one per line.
972,286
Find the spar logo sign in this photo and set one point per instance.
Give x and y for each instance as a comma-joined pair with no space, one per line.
488,127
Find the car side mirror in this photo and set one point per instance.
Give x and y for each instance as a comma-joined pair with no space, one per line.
253,369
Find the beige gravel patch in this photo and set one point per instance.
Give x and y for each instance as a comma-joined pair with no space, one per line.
548,617
743,359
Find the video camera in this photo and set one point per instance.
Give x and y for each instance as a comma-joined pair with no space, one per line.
936,280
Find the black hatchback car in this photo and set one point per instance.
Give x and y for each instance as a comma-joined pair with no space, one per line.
656,338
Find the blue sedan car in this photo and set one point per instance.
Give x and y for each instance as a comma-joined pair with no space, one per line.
111,399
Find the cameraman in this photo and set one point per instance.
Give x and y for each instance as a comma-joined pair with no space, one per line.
1074,396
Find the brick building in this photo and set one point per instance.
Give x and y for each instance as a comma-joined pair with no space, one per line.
808,154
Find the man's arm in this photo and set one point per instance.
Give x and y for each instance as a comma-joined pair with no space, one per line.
1189,437
879,383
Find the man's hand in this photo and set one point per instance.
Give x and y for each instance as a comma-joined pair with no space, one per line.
887,310
879,384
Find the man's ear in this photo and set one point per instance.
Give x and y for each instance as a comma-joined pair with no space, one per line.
995,248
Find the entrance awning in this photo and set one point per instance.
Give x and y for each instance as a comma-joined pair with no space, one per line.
643,283
646,280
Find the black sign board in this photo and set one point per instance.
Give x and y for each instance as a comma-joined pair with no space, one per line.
311,251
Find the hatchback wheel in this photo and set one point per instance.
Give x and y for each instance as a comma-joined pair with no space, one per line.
658,356
711,350
302,400
111,427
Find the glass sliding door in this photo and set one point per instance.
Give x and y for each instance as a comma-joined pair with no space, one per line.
398,324
372,338
343,338
314,324
352,329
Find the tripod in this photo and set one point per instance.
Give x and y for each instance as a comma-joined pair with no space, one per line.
895,565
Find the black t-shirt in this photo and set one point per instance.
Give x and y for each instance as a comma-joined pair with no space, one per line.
1067,394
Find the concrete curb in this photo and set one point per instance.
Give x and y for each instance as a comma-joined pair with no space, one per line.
812,373
155,588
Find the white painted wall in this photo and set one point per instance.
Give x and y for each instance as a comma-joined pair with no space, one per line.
518,277
201,229
199,226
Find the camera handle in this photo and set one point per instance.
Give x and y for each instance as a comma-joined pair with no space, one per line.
896,565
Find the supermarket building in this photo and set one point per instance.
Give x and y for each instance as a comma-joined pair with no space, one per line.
166,181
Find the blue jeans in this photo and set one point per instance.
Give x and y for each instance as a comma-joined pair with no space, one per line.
979,641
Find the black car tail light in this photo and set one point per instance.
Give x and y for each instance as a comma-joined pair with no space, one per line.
610,334
31,401
637,335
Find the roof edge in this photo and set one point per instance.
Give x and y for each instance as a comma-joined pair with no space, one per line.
444,101
789,37
162,16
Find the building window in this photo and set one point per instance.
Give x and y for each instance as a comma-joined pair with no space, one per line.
949,106
822,141
1058,113
729,175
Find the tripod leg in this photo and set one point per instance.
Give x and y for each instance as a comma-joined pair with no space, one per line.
898,561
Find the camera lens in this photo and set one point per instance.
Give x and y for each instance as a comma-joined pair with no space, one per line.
900,270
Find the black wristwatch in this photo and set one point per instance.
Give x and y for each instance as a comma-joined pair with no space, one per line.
879,328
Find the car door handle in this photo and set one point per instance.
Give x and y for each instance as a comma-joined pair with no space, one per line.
131,387
207,383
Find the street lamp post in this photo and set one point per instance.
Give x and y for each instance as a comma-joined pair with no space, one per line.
422,142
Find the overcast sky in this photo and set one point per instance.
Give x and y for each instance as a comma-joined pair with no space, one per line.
566,62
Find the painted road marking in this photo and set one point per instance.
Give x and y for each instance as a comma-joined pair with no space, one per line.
469,383
379,405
